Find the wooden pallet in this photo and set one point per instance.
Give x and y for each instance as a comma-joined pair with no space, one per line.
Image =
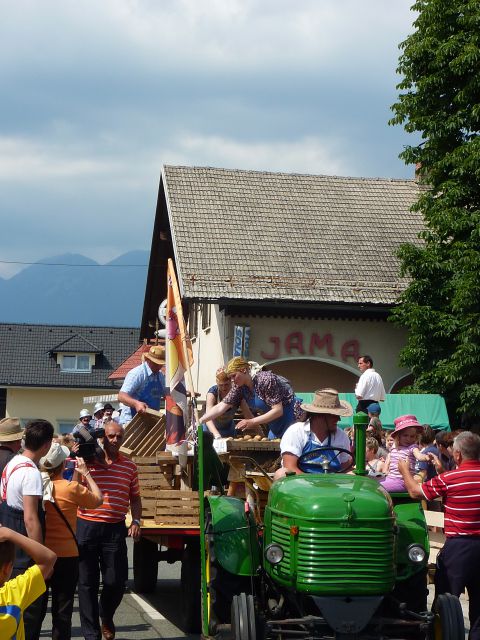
145,434
177,508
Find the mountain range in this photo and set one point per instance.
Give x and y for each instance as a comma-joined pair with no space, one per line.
89,294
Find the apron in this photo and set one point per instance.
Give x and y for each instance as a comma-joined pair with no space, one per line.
311,445
151,392
278,426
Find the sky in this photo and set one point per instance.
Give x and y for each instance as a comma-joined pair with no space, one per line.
96,95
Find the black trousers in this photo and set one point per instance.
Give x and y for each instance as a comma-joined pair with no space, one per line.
102,548
34,614
62,585
457,569
362,405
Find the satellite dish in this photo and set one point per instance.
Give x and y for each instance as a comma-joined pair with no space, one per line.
162,312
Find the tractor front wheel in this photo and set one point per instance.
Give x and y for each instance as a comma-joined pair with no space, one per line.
243,618
448,621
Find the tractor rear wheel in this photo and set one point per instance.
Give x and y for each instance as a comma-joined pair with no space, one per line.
243,618
448,621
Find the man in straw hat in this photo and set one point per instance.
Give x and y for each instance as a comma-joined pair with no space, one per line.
144,386
11,434
319,430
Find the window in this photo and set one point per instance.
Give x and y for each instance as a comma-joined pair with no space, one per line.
206,316
65,426
193,321
75,363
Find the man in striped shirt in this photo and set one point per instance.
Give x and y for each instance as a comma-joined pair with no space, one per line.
459,561
101,534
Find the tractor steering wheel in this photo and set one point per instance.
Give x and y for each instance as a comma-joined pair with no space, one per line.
325,466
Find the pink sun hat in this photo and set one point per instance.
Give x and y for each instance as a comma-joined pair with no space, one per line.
404,422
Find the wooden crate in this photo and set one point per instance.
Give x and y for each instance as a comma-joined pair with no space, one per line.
145,434
152,479
177,508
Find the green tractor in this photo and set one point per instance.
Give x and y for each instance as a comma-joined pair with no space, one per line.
335,557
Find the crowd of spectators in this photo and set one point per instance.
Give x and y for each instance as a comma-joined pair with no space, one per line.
62,526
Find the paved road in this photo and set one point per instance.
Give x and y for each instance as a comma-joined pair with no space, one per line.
143,618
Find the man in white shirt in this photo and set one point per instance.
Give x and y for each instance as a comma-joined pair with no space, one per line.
21,491
319,430
369,387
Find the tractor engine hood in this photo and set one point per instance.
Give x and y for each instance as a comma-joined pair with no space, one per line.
330,496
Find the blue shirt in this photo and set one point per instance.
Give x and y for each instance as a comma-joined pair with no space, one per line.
143,385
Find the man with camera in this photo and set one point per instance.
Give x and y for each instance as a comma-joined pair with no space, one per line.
101,537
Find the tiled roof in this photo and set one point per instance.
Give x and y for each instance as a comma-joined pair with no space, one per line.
274,236
27,359
131,362
75,344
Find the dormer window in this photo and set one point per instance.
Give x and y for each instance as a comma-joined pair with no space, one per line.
75,363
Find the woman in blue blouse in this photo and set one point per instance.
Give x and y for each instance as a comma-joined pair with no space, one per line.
223,426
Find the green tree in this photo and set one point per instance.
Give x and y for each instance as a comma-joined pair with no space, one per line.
440,100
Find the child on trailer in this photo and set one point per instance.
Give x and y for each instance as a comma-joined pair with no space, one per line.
406,447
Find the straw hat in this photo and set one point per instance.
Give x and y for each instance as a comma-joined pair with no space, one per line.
55,456
155,354
327,401
404,422
10,430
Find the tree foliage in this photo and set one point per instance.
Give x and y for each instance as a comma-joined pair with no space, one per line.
440,99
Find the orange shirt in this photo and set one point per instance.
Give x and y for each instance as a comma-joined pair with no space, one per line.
68,495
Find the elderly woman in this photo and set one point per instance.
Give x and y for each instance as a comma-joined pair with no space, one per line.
270,398
223,426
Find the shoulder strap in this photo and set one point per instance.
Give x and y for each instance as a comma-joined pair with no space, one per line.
5,479
59,511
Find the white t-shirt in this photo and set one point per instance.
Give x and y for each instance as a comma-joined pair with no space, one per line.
297,435
370,386
25,481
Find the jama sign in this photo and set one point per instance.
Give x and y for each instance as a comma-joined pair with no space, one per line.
298,344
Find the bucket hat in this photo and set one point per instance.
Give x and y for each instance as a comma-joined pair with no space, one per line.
98,407
85,413
374,407
10,429
155,354
327,401
55,456
404,422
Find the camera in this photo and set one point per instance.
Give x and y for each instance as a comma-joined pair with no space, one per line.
87,439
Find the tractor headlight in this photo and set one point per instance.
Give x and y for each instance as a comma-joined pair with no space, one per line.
416,553
274,553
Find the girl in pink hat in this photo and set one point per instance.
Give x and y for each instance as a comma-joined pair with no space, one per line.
406,447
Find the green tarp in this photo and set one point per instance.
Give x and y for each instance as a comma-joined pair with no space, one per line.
428,408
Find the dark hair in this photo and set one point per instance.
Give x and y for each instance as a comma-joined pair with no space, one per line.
37,433
107,405
444,438
427,435
367,359
7,552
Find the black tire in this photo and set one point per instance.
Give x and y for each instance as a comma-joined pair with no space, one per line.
448,623
145,566
243,618
191,590
222,587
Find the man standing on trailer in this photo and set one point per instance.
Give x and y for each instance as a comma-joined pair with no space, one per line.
144,386
369,388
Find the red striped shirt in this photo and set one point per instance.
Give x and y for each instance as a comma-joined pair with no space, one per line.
460,490
119,484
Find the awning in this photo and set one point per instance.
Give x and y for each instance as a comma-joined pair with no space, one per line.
428,408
